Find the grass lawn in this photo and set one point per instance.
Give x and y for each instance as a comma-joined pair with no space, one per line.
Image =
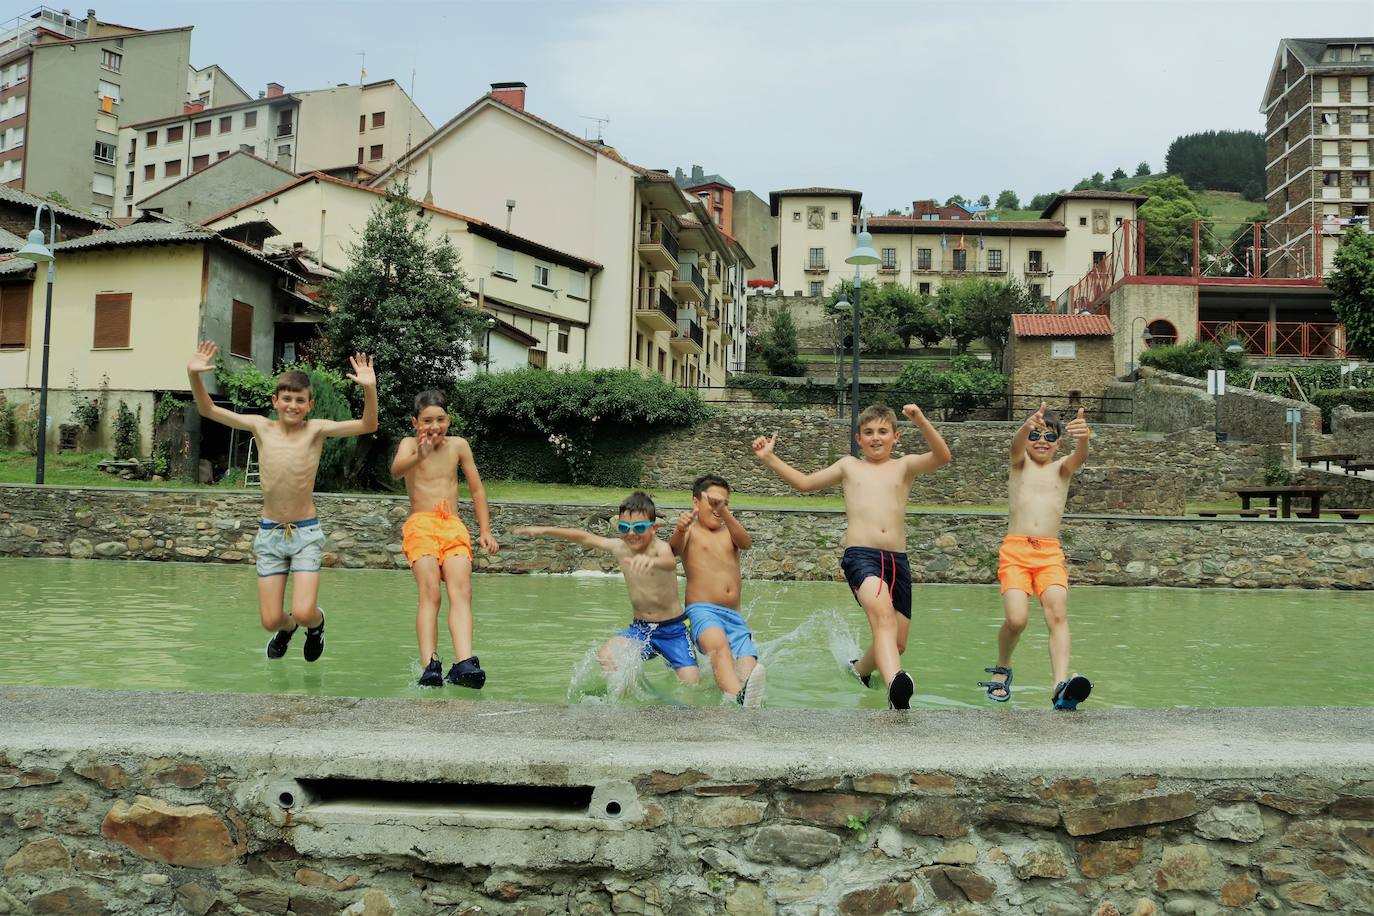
72,469
1228,205
1004,215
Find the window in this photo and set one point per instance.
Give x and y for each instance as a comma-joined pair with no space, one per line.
1359,117
994,259
796,216
1099,257
1118,219
960,259
221,154
149,172
171,168
1331,179
923,289
1359,179
284,152
817,288
241,330
226,124
200,162
505,263
541,274
816,258
834,216
378,119
1082,221
577,283
360,155
112,313
564,333
661,362
150,138
639,347
374,152
107,90
1063,349
362,123
174,134
104,152
923,259
200,129
14,316
102,184
1163,333
890,257
932,217
110,60
250,119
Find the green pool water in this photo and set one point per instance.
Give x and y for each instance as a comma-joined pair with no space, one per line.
170,626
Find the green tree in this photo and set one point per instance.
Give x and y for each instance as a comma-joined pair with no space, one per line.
1220,160
1142,169
1352,285
959,199
1008,200
968,383
1118,174
952,310
985,201
1041,201
878,314
403,299
780,346
1169,214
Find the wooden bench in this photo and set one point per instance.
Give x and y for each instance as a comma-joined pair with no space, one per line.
1348,514
1242,513
1354,467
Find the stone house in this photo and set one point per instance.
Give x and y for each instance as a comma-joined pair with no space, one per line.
1061,356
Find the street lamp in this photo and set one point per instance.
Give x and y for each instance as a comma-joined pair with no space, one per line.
37,251
863,253
486,347
1146,337
1219,381
840,308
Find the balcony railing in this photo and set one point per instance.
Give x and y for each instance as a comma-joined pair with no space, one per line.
656,299
688,273
891,267
655,233
817,266
1312,340
688,329
285,130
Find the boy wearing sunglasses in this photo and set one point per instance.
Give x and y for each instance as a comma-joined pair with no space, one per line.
1030,560
659,624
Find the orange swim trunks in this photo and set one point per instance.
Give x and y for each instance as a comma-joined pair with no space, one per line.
1031,564
439,534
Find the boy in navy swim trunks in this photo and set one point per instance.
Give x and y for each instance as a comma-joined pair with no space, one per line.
709,539
876,487
289,537
659,625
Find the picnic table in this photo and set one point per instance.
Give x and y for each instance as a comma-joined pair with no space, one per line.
1283,497
1340,459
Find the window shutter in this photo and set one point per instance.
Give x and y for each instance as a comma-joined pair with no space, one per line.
112,313
14,315
505,261
241,333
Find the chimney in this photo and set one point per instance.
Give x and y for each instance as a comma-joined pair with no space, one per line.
697,173
192,107
274,90
512,94
91,23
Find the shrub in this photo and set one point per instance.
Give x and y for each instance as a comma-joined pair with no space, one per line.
6,421
780,347
1358,399
778,392
967,385
125,432
1192,359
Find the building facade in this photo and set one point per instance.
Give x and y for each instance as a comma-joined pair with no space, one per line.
212,87
665,280
1317,107
67,86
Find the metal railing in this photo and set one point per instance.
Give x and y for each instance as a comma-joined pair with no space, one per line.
1036,268
688,329
285,130
656,298
688,273
827,397
655,233
1309,339
816,265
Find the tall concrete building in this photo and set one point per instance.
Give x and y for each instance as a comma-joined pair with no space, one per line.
66,87
1316,106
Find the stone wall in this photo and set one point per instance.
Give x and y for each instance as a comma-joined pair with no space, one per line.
1353,432
60,403
1345,490
1035,372
321,806
1165,402
815,330
365,532
978,473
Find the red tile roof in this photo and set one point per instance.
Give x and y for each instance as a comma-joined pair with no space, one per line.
1061,326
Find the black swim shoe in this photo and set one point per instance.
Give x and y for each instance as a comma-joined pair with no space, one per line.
900,690
865,679
434,674
467,673
276,646
314,639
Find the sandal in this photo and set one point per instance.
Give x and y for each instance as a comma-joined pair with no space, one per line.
1004,686
1068,694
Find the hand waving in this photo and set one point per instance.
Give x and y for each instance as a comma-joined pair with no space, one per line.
364,373
204,358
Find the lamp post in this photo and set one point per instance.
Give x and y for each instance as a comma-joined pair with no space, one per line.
1219,382
1146,336
486,347
840,307
863,253
37,251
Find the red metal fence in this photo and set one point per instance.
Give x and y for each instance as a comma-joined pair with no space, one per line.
1309,339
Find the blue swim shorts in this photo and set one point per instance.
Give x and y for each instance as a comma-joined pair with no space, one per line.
664,637
282,547
702,616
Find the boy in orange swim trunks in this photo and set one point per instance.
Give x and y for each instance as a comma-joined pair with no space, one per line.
1031,561
435,540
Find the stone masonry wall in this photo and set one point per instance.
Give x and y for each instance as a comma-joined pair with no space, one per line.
1035,372
1353,432
365,532
755,823
1165,402
976,476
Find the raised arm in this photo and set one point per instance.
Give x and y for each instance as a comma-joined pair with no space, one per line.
204,361
576,535
806,483
1078,428
478,494
743,540
939,454
364,375
1022,437
411,451
677,541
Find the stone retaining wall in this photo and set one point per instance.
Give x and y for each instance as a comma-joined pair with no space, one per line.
1353,432
365,532
977,475
187,803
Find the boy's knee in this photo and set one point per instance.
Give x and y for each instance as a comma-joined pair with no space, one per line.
1015,622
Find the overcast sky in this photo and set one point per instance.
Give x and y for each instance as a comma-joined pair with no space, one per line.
901,100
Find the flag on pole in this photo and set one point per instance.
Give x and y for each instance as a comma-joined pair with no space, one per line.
944,241
961,243
980,243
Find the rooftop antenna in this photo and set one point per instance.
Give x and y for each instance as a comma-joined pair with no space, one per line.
600,126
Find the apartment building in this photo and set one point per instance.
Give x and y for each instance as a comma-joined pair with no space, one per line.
325,130
211,87
543,297
816,228
1317,107
717,196
665,279
67,86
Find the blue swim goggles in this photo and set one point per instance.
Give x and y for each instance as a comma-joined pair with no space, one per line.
636,527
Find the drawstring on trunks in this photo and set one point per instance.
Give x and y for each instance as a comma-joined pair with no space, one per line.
442,509
287,529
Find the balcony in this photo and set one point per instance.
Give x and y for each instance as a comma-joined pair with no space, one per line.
713,274
923,267
285,130
688,338
817,266
713,317
1038,269
657,246
655,310
688,284
889,267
